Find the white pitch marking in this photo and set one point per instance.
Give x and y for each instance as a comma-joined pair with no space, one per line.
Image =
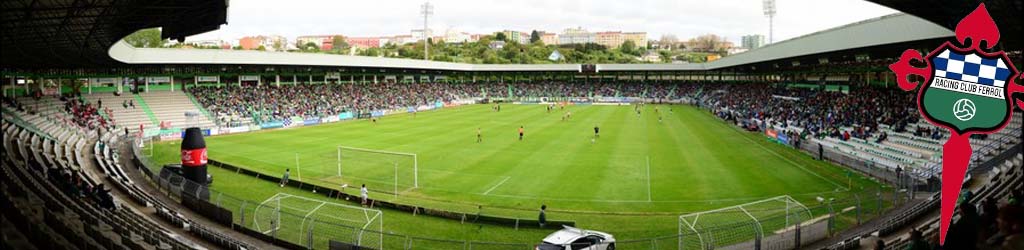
791,162
648,178
499,184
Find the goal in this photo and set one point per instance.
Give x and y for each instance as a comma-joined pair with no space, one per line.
738,226
382,171
314,222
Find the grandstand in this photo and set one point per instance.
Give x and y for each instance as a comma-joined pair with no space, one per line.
858,165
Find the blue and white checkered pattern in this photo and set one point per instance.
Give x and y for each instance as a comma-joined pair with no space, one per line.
971,68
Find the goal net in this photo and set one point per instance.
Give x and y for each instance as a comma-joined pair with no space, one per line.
313,223
737,227
381,171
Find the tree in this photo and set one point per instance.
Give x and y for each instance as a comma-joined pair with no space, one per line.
708,43
262,48
278,45
500,36
534,36
628,47
310,46
668,41
339,43
666,56
370,52
146,38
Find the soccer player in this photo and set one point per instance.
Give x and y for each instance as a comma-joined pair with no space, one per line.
364,193
284,179
479,136
542,218
520,133
597,132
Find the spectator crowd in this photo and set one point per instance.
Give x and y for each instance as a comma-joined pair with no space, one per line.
273,103
856,114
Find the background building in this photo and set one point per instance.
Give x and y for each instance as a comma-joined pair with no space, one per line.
363,42
475,37
454,36
750,42
417,34
638,38
208,43
249,42
273,42
609,39
404,39
548,38
576,35
516,36
318,40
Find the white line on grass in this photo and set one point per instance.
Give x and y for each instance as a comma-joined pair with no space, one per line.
791,162
499,184
314,210
648,178
657,201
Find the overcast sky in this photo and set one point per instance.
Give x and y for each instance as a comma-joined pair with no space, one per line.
683,18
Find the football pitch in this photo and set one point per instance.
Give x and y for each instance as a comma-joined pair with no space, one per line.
667,159
634,181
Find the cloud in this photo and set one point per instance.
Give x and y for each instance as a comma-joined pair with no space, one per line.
683,18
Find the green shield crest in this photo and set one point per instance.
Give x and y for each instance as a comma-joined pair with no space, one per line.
967,91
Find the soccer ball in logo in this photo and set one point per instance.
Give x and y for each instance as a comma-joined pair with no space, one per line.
963,109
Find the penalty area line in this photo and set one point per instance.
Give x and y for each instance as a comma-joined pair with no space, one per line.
498,185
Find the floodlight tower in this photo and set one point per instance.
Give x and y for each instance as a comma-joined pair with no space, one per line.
769,11
426,10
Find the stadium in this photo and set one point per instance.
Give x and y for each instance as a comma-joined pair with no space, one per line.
805,143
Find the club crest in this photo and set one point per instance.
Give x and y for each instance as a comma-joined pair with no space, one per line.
967,91
966,88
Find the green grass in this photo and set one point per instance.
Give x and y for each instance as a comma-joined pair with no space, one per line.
632,182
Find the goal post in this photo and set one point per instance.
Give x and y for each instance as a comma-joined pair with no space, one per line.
397,169
311,222
739,225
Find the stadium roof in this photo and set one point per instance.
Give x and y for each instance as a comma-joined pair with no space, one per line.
1006,13
78,34
890,29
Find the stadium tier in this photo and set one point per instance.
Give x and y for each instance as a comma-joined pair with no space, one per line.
806,143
